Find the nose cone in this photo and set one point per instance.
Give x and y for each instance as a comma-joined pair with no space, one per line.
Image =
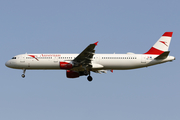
8,63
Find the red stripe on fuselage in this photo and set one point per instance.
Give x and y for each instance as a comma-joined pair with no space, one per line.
33,57
154,51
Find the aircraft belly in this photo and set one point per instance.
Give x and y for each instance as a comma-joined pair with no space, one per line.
43,65
123,64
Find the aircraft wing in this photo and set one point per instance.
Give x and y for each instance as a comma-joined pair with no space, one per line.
85,57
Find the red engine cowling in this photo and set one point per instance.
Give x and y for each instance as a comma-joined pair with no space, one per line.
65,65
72,74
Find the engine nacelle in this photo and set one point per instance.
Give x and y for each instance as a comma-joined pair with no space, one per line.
65,65
72,74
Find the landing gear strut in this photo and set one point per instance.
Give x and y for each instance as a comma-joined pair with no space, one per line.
23,75
89,77
86,72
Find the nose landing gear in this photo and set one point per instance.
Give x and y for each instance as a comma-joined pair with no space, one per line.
23,75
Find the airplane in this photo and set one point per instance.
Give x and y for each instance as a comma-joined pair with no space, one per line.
87,61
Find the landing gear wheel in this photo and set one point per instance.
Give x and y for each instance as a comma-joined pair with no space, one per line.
23,75
89,78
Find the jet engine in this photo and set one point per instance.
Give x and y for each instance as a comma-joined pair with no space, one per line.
65,65
72,74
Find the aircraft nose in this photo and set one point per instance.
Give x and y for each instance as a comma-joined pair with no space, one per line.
8,63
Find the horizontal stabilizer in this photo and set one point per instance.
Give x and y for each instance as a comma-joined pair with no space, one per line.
163,55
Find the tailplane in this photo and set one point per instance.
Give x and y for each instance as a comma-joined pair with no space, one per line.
162,45
162,56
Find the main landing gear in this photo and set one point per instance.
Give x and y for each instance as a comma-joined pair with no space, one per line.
86,73
89,77
23,75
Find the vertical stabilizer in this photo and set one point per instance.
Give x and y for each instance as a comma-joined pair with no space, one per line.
161,45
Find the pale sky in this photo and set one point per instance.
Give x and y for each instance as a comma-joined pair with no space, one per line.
69,26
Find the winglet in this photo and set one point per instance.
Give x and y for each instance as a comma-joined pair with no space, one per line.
96,43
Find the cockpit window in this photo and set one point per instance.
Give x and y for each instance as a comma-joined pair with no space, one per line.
14,58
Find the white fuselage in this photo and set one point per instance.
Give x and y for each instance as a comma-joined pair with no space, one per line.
82,64
99,61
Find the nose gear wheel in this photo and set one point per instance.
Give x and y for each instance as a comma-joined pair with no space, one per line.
23,75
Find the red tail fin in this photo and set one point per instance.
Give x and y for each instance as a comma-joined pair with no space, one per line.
161,45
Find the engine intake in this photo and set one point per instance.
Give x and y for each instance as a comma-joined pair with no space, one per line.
65,65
